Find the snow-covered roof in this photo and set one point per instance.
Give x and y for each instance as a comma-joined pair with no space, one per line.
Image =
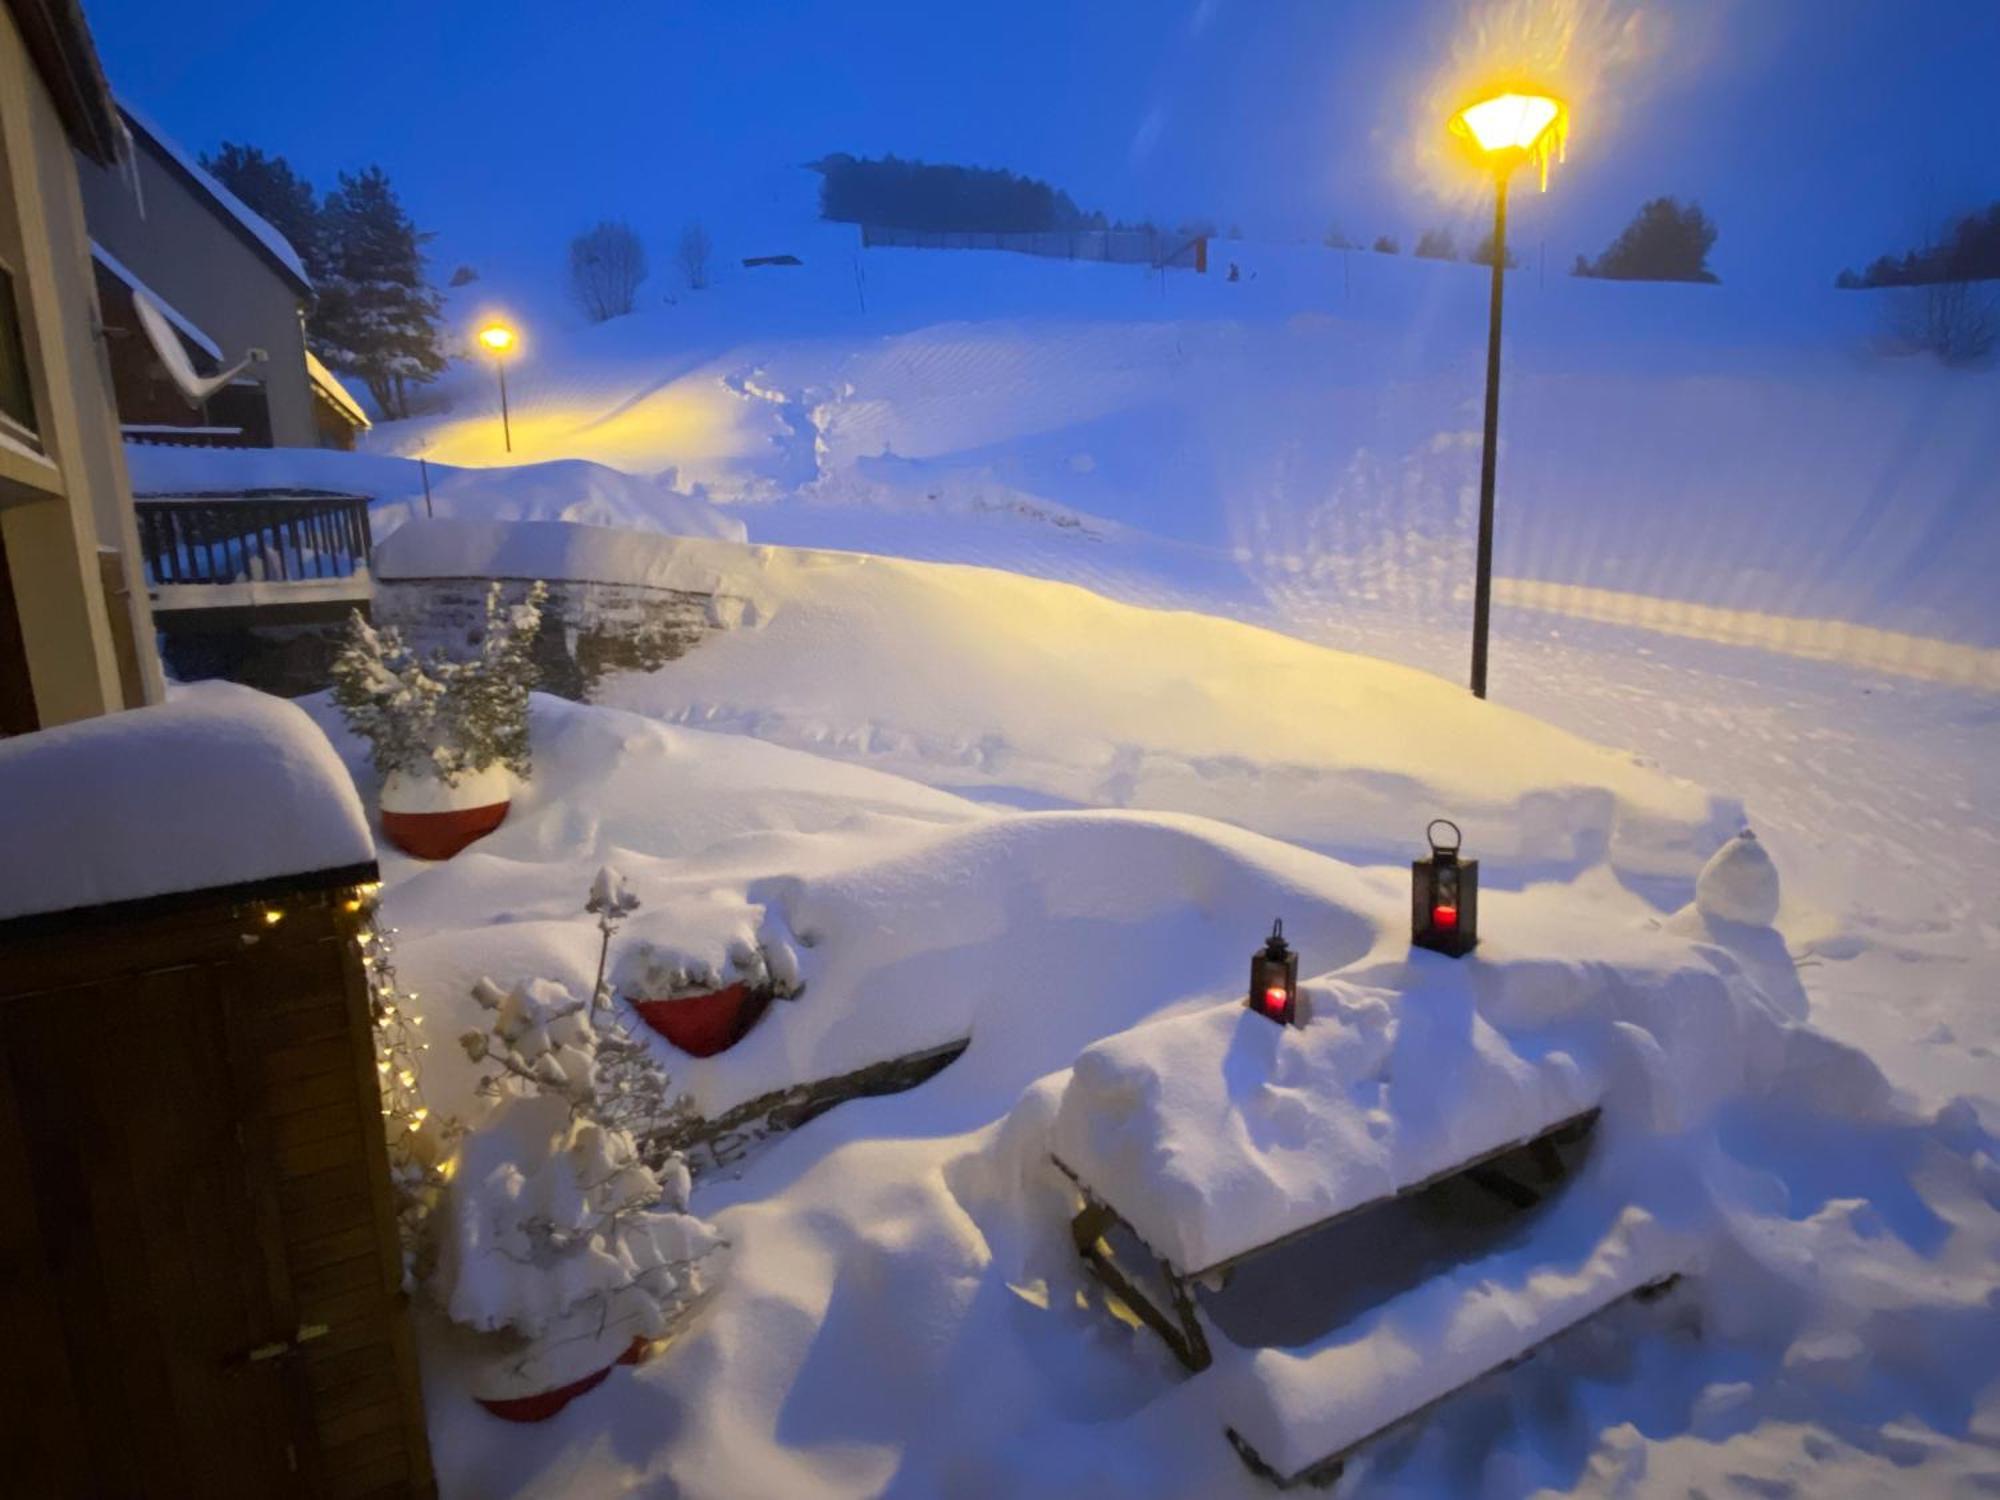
255,225
173,314
328,385
218,786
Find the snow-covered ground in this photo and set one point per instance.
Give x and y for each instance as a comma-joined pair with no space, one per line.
902,1312
1000,803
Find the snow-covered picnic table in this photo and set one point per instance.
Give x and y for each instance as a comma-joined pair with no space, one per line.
1216,1139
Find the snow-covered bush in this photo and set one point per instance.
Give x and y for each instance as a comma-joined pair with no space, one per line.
657,971
555,1228
434,717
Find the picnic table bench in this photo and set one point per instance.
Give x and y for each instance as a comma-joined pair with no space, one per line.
1208,1144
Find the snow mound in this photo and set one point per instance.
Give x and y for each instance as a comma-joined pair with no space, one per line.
978,680
218,786
1739,883
1217,1132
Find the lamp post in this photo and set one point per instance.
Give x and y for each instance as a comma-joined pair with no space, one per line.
1505,130
498,339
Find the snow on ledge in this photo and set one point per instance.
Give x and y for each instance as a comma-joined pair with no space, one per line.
563,550
218,786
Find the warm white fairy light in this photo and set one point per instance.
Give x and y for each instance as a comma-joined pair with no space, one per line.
419,1148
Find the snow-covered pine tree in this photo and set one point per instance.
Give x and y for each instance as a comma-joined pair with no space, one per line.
439,718
273,191
377,316
389,697
489,695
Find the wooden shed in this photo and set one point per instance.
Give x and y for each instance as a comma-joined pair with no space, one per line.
199,1268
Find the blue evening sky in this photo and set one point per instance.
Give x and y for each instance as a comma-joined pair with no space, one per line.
1816,132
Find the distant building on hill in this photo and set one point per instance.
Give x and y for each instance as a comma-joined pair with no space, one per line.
227,287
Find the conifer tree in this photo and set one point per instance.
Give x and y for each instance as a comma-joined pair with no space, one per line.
1667,240
274,192
377,316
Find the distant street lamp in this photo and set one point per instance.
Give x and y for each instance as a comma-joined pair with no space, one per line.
1504,130
499,339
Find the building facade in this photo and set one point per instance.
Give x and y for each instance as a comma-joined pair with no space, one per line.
228,280
76,631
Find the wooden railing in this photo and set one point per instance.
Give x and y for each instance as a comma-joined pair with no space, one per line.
256,538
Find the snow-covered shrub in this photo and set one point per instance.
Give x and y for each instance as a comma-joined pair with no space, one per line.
557,1230
434,717
657,971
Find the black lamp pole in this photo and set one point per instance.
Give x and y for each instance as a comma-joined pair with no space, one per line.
1482,595
507,427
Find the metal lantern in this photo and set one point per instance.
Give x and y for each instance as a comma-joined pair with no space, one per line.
1274,979
1444,896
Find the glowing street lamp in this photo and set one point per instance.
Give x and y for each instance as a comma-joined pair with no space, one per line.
499,340
1503,130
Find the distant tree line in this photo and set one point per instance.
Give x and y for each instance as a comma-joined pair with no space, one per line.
897,194
1970,252
374,314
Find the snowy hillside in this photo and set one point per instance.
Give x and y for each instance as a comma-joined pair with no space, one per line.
1293,446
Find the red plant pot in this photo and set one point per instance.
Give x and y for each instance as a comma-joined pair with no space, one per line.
639,1350
544,1404
440,835
703,1025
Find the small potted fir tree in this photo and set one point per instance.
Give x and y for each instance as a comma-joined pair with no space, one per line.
446,736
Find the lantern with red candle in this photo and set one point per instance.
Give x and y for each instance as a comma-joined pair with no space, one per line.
1444,896
1274,979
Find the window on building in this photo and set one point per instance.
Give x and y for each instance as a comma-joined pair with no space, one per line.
17,400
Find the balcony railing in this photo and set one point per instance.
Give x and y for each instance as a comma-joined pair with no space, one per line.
262,538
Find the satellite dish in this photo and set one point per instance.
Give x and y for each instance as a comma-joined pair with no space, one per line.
167,344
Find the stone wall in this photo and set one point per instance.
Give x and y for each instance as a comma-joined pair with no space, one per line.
588,629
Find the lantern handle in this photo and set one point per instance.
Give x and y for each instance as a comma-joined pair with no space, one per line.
1457,838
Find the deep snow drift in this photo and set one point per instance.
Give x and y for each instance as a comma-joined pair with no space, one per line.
1020,688
903,1313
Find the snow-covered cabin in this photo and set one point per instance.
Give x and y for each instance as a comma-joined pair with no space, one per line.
227,282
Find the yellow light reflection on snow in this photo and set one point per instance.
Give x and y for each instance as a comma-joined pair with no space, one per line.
691,424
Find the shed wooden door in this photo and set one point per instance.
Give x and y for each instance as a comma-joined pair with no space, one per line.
148,1206
200,1279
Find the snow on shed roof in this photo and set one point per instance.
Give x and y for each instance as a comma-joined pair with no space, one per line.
174,316
218,786
253,224
328,384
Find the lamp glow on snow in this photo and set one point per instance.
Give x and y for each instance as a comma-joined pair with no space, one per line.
498,340
1444,896
1502,129
1274,979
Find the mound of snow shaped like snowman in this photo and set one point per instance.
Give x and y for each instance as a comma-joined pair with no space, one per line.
1739,884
